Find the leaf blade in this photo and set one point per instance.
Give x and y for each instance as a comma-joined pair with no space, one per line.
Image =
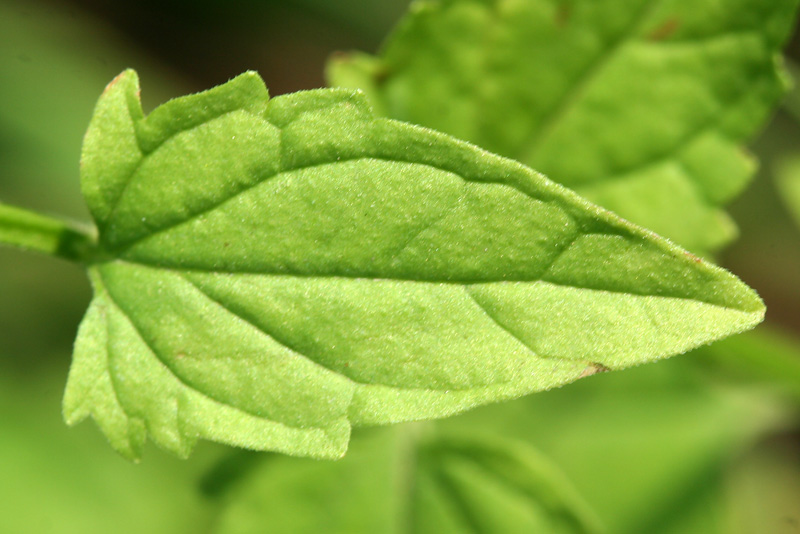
339,269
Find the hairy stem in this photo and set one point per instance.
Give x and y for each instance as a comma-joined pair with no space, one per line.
32,231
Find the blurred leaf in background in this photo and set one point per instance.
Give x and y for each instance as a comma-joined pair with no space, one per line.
57,481
767,253
648,449
768,357
404,479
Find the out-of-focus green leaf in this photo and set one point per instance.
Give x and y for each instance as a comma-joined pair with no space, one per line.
270,273
641,446
394,480
764,356
639,106
705,510
58,481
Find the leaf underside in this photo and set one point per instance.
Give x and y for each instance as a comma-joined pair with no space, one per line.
638,105
273,272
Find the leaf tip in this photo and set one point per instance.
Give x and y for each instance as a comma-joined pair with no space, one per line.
252,79
754,305
72,416
335,449
126,77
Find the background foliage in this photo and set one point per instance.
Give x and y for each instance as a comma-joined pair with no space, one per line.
690,448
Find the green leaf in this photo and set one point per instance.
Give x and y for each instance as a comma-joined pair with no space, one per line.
394,481
767,356
638,105
275,271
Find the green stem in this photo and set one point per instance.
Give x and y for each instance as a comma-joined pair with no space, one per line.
32,231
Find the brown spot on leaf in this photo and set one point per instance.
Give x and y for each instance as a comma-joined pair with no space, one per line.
594,368
665,30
